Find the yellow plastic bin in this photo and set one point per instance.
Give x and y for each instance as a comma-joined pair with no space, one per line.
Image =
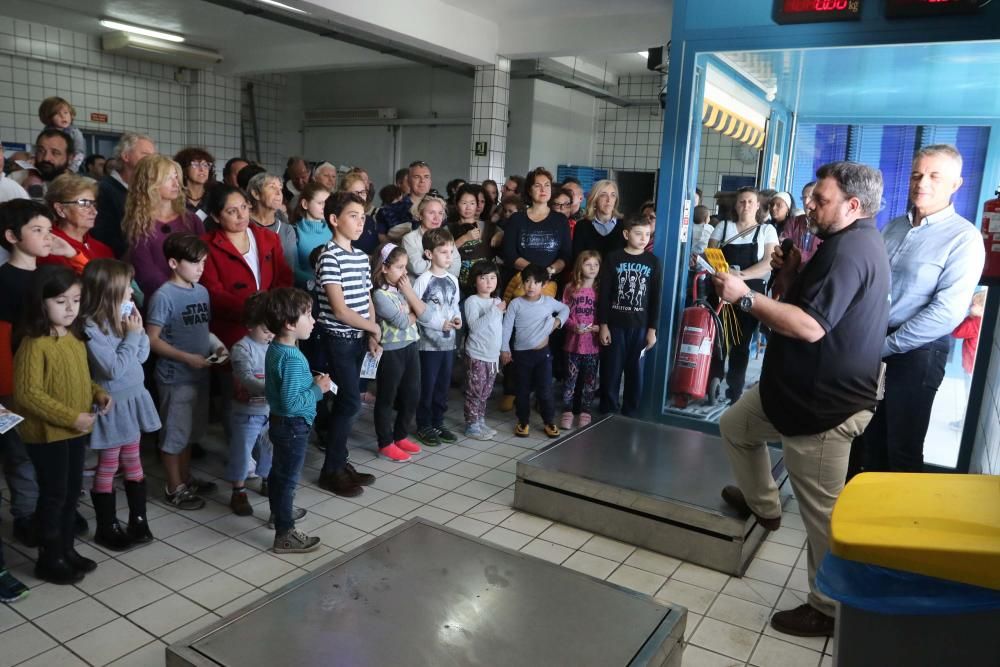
915,564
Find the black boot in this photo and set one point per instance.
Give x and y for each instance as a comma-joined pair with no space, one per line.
138,528
52,565
77,561
109,533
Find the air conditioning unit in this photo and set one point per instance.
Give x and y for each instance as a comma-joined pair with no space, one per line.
369,113
158,50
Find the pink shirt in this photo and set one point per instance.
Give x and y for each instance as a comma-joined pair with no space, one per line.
808,243
582,311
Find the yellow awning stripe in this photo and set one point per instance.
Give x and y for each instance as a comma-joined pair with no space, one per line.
732,125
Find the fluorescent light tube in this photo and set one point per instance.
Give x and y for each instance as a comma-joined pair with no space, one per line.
117,25
281,5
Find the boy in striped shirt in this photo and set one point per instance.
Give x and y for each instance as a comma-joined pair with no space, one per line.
346,318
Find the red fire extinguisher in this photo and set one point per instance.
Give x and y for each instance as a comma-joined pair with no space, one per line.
700,327
991,236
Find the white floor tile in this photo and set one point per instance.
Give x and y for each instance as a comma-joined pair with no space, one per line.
23,642
366,519
753,591
435,514
554,553
191,628
788,536
166,615
301,560
391,483
10,618
195,539
799,581
739,612
153,653
260,569
336,534
700,576
498,477
695,656
234,606
605,547
778,553
490,459
765,570
565,535
184,572
415,471
227,553
506,538
45,598
56,656
170,524
466,469
478,489
528,524
217,590
334,508
771,652
469,525
724,638
151,556
694,598
75,619
650,561
422,493
636,579
590,564
395,506
454,502
110,642
133,594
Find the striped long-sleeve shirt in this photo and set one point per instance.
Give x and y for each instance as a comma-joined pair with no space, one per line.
288,384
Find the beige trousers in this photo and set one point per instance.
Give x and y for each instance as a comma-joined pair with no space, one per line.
816,464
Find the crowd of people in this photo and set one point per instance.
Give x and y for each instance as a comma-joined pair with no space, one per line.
132,302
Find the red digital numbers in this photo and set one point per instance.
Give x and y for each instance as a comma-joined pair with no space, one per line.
807,11
830,5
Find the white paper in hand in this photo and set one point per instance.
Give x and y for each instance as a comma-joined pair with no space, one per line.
8,420
369,367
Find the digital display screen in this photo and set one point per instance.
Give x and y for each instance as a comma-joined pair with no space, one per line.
815,11
906,8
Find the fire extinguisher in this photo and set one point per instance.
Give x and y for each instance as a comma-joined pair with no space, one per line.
699,336
991,236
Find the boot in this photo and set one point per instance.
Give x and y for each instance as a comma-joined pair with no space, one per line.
109,533
77,561
138,527
52,565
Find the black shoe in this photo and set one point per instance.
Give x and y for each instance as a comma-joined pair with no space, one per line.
80,563
80,525
25,532
444,435
362,478
734,497
138,527
197,451
53,567
803,621
109,533
201,487
341,483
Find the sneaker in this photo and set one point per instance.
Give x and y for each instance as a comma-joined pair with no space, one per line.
184,499
11,589
803,621
408,446
552,430
294,542
297,513
477,432
506,403
393,453
585,419
201,487
444,435
428,437
492,432
361,478
240,504
566,421
522,430
265,490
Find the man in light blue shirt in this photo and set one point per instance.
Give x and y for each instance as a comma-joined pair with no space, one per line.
936,257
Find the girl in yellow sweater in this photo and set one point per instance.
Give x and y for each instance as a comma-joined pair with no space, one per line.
55,395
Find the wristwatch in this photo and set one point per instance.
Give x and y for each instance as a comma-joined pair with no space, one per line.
746,301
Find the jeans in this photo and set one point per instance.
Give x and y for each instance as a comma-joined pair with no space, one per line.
622,357
20,475
435,381
345,357
59,468
534,373
398,389
894,440
289,437
246,431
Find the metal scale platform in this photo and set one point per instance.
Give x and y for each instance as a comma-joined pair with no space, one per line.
646,484
423,594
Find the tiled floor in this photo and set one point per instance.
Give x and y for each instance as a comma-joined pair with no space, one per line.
208,563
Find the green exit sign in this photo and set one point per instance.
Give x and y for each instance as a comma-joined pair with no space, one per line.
481,147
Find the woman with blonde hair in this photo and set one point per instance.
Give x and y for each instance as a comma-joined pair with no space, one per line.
355,181
267,210
599,230
155,209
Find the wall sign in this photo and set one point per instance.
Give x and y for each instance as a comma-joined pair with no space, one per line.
481,147
99,117
815,11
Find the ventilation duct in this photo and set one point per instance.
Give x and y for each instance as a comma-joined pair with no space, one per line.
158,50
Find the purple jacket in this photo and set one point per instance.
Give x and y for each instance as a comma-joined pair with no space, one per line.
146,255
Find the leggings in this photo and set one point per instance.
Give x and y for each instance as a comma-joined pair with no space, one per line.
581,370
107,466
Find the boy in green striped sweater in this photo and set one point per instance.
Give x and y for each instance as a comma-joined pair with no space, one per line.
292,393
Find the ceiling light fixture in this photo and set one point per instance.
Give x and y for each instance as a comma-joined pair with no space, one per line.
281,5
117,25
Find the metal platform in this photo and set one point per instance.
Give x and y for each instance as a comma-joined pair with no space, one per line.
645,484
424,594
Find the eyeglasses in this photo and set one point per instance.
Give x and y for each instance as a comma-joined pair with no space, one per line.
82,203
202,164
561,204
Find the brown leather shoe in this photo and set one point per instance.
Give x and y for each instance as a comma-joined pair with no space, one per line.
803,621
734,497
340,483
362,478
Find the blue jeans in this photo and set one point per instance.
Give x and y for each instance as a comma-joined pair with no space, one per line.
345,357
435,381
246,431
622,358
20,475
289,437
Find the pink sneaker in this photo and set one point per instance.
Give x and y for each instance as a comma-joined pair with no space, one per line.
407,446
584,419
393,453
567,421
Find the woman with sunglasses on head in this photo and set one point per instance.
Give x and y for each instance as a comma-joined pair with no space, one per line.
73,200
198,169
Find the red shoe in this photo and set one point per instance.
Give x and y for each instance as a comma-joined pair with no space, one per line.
393,453
408,446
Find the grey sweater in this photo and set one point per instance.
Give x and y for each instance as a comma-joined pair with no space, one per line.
248,377
533,320
485,328
287,235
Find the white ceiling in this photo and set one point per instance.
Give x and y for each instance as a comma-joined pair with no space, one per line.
501,11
